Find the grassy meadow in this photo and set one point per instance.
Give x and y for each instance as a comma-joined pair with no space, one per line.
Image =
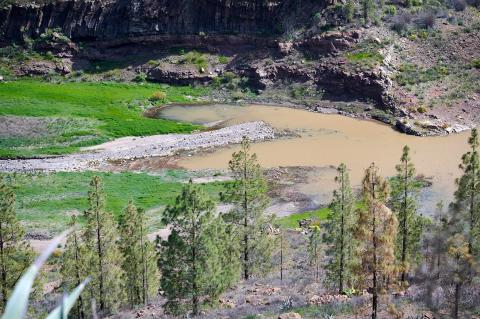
291,221
42,118
46,201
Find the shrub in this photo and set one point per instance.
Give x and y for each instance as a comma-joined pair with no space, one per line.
158,96
459,5
391,10
476,63
140,77
223,59
413,74
152,62
426,19
196,58
238,95
421,109
401,22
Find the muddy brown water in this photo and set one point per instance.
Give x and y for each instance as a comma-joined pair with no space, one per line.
325,140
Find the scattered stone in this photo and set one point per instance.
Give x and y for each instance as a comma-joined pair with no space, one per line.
326,299
290,315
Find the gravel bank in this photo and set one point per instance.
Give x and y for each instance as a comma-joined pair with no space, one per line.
92,158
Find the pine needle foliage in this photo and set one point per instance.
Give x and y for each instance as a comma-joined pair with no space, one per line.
403,201
467,196
248,194
197,261
104,258
141,277
15,253
74,268
376,232
339,234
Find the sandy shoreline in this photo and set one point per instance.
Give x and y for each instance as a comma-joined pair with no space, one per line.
96,157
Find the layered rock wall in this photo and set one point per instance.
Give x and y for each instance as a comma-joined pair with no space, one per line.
97,20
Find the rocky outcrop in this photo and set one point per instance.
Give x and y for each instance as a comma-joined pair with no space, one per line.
180,74
330,43
106,20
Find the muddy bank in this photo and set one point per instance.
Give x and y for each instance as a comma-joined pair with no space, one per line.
97,157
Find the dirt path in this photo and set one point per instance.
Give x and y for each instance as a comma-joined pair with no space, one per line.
93,158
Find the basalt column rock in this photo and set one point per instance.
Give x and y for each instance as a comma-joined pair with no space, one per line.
107,20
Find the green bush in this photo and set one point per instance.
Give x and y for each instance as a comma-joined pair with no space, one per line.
140,77
158,96
413,74
196,58
390,10
476,63
223,59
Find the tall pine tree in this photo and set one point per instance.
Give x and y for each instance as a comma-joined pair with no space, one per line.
74,268
248,194
105,260
467,196
458,270
339,235
140,259
403,200
196,260
376,232
15,253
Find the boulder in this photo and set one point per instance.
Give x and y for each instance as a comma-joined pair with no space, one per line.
285,48
290,315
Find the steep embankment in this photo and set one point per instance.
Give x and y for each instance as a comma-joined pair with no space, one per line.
122,19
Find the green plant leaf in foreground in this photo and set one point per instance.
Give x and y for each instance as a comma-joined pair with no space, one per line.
18,302
61,311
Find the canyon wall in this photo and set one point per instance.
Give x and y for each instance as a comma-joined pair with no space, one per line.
97,20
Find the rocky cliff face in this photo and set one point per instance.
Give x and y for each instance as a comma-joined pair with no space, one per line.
98,20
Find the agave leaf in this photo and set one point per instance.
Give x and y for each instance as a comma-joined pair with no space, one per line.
18,302
67,303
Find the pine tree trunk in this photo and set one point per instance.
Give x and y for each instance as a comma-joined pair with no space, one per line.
281,259
472,223
99,250
457,300
100,264
194,264
144,267
80,310
4,271
246,274
374,270
342,238
404,223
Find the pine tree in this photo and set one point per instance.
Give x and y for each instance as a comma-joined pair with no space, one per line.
467,196
458,268
339,234
375,232
248,194
367,8
74,266
195,261
349,11
15,253
403,200
314,250
140,260
105,261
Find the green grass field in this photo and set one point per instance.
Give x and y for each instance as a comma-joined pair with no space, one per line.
45,201
291,221
70,115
